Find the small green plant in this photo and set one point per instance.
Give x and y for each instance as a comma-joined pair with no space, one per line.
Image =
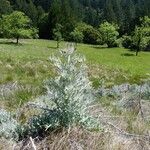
57,34
77,36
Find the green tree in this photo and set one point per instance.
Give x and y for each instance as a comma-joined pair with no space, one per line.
109,11
62,13
125,13
5,7
141,35
137,38
57,34
31,11
54,16
108,33
17,25
44,31
90,34
76,36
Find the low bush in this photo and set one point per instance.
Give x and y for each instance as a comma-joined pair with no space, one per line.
119,90
90,35
109,34
8,125
127,42
146,44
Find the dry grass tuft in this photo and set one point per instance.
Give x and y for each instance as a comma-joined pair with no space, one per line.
71,139
79,139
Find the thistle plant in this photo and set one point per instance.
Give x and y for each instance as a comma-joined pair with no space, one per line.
67,97
71,91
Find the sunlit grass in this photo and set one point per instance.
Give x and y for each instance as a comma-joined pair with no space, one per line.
118,58
28,63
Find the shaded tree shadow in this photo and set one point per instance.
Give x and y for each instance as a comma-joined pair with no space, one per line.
127,54
52,47
99,46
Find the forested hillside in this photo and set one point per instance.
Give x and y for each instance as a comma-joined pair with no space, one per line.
45,14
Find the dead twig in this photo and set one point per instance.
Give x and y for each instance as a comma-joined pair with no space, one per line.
32,142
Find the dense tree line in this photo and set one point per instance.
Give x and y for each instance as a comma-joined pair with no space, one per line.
46,14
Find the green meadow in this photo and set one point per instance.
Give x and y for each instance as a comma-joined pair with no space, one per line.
28,62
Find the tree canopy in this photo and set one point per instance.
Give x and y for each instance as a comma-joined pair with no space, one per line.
5,7
141,37
16,25
109,33
45,14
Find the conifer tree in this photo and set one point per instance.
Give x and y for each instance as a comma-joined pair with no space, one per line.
5,7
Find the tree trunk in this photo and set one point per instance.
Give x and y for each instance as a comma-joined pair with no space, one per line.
138,47
76,44
137,51
57,44
17,40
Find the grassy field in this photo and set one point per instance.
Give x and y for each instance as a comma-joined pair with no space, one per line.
117,65
118,58
28,62
24,67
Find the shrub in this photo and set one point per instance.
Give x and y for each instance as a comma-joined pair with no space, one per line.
127,42
67,99
130,43
76,36
109,33
147,48
39,124
119,90
8,125
90,34
145,44
119,42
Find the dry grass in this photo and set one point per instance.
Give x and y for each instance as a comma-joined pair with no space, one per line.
79,139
